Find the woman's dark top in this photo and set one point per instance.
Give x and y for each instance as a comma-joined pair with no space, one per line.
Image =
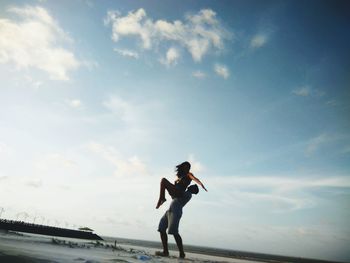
182,183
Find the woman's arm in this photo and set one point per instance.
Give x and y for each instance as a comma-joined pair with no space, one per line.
197,181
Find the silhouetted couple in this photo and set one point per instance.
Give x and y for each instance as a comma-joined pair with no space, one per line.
181,192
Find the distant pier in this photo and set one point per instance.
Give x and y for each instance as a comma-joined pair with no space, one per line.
20,226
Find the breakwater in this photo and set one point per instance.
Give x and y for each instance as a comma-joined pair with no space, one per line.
20,226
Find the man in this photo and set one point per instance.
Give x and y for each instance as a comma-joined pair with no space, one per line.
171,220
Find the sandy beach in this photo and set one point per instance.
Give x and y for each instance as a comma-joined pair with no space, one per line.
34,248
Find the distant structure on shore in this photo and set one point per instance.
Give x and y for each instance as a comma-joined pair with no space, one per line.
20,226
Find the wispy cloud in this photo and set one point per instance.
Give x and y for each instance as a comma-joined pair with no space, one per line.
123,166
323,140
258,41
303,91
33,41
332,103
127,53
36,183
199,74
75,103
197,33
5,150
121,108
281,193
315,143
222,71
281,183
307,90
134,113
54,160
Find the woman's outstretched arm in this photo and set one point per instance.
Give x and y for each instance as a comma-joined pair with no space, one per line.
197,181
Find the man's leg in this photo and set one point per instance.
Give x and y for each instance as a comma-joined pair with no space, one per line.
164,238
178,240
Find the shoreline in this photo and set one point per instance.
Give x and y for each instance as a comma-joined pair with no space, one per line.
38,248
224,253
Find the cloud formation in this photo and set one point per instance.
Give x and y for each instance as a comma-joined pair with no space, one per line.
127,53
198,33
171,57
5,150
33,42
306,90
123,166
282,193
121,108
75,103
303,91
222,71
198,74
258,41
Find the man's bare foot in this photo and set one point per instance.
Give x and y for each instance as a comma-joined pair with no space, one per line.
182,255
160,202
162,254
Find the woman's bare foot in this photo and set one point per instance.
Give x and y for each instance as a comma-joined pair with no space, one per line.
160,202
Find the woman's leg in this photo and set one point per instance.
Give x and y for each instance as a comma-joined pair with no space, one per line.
165,184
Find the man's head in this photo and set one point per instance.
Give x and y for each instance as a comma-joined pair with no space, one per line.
193,189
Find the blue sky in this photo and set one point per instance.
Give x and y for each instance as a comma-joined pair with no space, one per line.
101,99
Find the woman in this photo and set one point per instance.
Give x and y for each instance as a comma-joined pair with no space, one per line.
184,178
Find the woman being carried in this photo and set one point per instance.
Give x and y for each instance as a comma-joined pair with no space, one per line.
184,178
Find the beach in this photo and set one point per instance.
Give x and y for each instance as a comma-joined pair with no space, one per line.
16,247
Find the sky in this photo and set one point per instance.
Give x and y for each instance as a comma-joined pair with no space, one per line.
101,99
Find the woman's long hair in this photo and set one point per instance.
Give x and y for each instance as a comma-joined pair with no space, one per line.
183,169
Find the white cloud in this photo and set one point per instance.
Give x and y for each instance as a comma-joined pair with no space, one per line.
332,103
54,160
282,193
133,24
315,143
258,41
127,53
306,90
121,108
137,114
281,183
36,84
171,57
222,71
196,166
303,91
198,33
33,42
5,150
36,183
198,74
75,103
123,166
